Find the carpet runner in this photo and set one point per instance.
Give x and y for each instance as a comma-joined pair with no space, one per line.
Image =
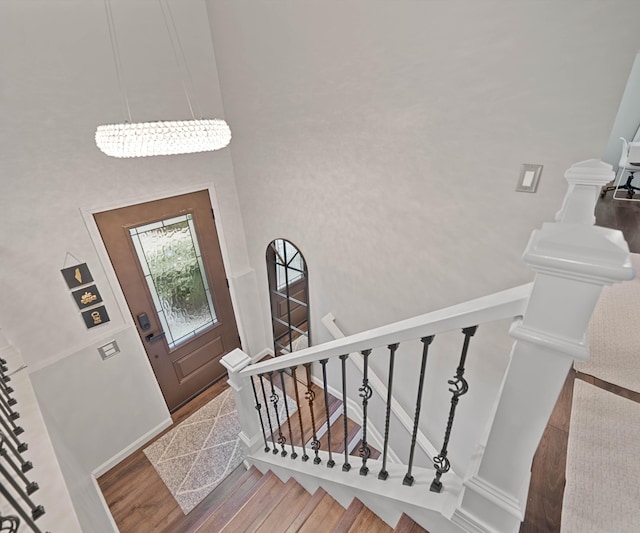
196,455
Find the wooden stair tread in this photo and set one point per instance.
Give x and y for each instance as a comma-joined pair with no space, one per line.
323,517
337,434
236,479
306,511
258,506
286,511
368,521
407,525
234,502
349,517
319,414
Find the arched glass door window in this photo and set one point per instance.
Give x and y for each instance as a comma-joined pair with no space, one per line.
289,295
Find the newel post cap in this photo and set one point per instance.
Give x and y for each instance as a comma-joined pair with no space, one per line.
588,253
235,361
590,172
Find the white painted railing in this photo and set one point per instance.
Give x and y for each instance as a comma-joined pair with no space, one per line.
572,260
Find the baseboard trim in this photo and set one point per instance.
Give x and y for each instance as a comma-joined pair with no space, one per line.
107,511
123,454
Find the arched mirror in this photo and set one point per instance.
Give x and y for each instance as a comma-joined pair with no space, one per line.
289,295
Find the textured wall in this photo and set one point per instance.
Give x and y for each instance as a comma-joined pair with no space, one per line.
385,140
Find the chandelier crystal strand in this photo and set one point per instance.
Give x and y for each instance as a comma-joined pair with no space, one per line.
163,137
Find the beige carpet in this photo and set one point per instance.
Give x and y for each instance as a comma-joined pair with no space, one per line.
614,335
196,455
602,494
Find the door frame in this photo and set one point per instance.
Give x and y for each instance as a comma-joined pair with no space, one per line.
105,261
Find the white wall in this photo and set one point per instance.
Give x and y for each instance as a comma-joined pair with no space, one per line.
58,84
385,140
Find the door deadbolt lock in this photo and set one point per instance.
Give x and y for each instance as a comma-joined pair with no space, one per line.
143,320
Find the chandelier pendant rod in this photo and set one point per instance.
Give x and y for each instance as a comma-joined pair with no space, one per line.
116,56
178,56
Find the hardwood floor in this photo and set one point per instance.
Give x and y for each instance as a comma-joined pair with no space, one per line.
623,215
140,502
138,499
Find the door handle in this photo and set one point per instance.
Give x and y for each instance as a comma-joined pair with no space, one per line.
153,337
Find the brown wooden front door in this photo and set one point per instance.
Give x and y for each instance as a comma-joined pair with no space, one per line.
167,258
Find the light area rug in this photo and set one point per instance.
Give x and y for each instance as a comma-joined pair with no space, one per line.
614,335
195,456
602,492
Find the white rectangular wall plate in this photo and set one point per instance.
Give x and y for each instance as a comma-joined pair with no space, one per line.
529,178
108,350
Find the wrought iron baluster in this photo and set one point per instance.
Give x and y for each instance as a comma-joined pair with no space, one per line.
365,393
304,457
6,390
7,411
12,434
264,396
25,466
35,513
330,463
343,359
392,354
459,387
310,396
286,409
259,410
16,430
7,404
426,341
274,401
36,510
30,486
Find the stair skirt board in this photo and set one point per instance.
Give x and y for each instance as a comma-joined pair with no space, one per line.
388,499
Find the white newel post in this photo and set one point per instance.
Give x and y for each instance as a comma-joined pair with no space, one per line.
572,260
250,435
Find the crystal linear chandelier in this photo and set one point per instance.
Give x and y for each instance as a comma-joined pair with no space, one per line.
162,137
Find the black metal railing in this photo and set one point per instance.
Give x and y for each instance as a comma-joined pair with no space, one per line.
15,487
308,436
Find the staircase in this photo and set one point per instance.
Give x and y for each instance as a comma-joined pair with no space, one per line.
251,501
477,483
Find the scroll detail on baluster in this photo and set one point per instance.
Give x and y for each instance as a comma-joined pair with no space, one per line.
346,466
383,474
286,409
9,524
304,457
330,463
365,393
259,410
426,342
459,387
310,396
274,398
264,397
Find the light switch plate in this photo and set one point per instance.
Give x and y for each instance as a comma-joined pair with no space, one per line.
529,178
109,350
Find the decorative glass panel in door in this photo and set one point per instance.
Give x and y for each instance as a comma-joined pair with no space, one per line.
170,258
